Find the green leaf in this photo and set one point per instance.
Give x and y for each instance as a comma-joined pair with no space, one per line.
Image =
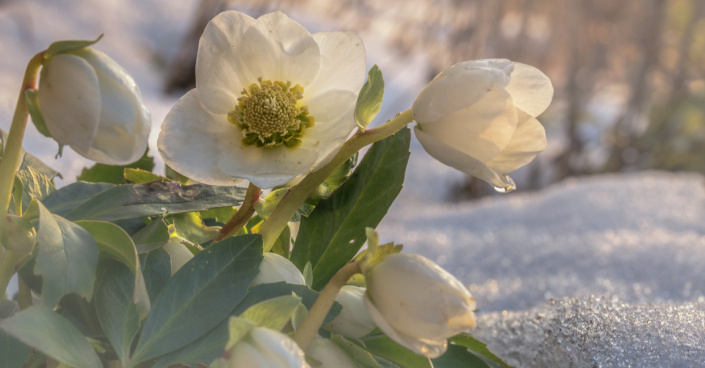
384,347
32,98
73,195
362,357
67,256
102,173
152,236
283,243
156,269
334,232
211,346
17,194
115,307
479,349
190,227
13,353
369,101
200,296
53,335
113,240
272,313
155,198
221,215
308,274
35,185
61,47
139,176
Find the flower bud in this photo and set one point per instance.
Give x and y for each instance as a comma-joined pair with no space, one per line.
275,268
90,103
479,117
417,303
20,235
329,354
265,348
178,252
353,321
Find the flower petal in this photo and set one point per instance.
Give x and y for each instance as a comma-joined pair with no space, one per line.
277,48
219,74
192,139
342,62
530,88
528,141
69,97
333,112
460,86
462,161
425,347
481,130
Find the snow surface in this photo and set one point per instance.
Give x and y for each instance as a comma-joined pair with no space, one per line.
592,272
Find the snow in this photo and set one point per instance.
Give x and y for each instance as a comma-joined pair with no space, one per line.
590,272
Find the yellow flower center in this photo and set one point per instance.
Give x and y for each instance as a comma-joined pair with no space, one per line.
269,116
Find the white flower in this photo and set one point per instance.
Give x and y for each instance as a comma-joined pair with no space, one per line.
417,303
90,103
265,348
272,102
353,321
178,253
479,117
329,354
275,268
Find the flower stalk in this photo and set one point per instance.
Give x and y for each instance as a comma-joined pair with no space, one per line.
308,329
296,196
243,214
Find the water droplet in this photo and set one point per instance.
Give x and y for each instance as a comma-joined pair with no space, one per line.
503,189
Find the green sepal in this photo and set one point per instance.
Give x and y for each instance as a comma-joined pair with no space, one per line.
359,355
369,101
238,328
115,174
32,97
62,47
273,313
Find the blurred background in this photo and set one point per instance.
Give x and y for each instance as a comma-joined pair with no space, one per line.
628,74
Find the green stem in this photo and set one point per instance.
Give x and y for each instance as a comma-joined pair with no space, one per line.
296,196
7,268
25,294
243,214
13,144
308,329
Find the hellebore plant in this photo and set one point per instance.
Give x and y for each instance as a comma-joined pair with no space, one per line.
189,269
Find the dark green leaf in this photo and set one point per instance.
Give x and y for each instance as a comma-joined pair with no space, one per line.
369,101
101,173
13,353
115,307
200,296
53,335
458,356
479,349
156,198
156,266
152,236
61,47
112,240
384,347
334,232
359,355
32,98
73,195
283,243
272,313
67,256
190,227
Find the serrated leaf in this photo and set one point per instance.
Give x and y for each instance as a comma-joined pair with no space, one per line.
115,307
200,296
140,200
113,240
61,47
32,98
35,185
334,232
53,335
67,256
211,346
369,101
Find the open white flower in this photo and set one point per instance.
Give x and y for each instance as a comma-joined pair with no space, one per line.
271,102
90,103
417,303
479,117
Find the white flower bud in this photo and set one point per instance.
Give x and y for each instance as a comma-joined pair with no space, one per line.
479,117
417,303
20,237
90,103
353,321
275,268
329,354
178,252
265,348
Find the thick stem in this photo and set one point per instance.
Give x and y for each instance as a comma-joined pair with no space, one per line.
243,214
25,294
296,196
308,329
7,268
